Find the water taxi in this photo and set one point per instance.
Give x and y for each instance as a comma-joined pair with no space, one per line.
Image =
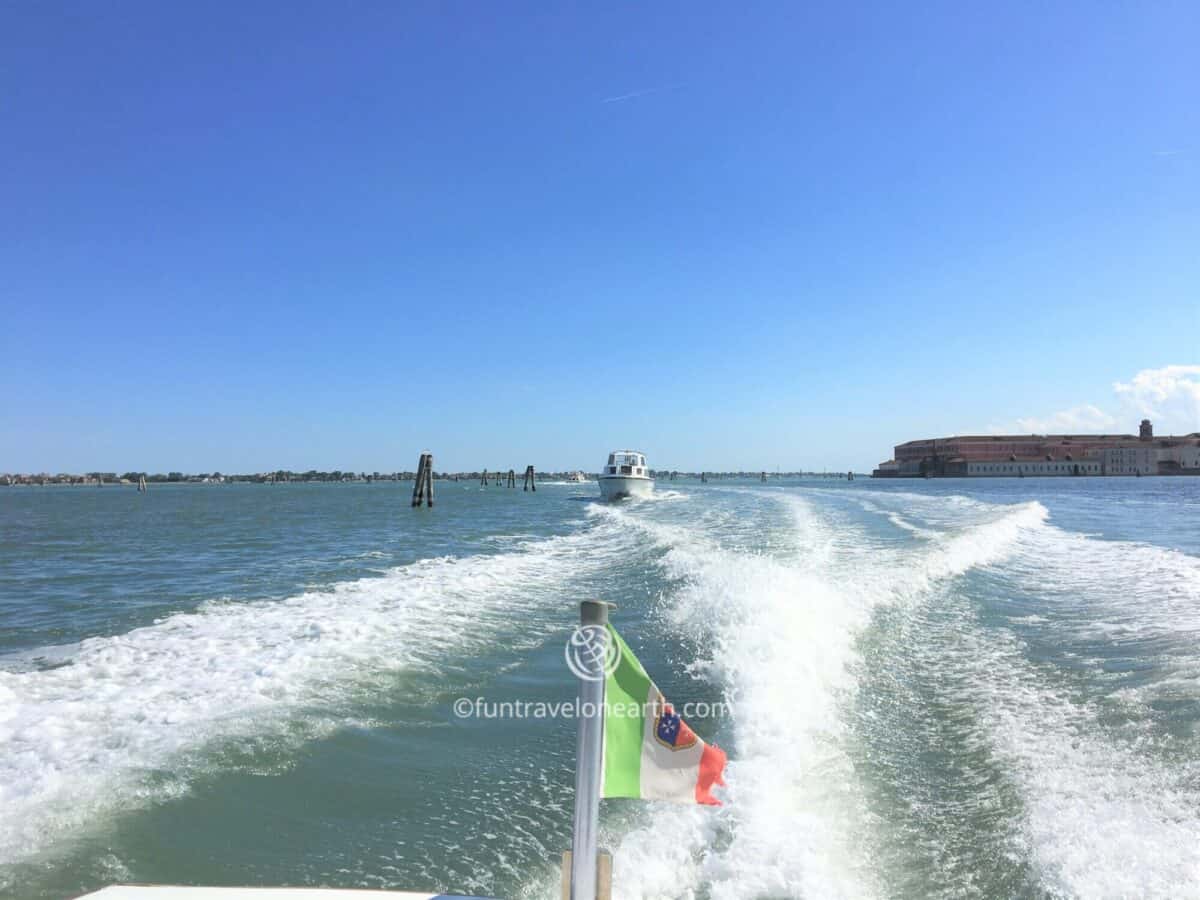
625,475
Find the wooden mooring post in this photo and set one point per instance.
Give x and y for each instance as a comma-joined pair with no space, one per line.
704,478
483,480
423,486
603,875
530,481
512,478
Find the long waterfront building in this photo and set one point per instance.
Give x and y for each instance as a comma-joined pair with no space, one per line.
1017,456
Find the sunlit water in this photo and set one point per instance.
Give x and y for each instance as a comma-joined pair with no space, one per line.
936,688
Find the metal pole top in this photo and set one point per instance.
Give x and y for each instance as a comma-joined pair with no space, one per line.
594,612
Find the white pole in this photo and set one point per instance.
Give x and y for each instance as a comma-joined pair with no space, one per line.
593,619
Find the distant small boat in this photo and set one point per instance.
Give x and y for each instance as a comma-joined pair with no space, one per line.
625,475
577,478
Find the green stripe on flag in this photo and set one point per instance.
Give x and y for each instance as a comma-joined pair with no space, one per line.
628,686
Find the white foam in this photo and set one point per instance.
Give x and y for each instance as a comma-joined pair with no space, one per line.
89,737
662,495
1104,812
1028,620
781,639
1102,819
1086,582
1110,812
896,519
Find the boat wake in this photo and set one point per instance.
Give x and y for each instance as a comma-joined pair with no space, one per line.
930,696
123,721
856,661
782,637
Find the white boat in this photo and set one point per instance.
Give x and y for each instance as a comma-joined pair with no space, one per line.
625,475
577,478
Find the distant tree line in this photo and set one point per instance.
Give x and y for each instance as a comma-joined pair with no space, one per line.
338,475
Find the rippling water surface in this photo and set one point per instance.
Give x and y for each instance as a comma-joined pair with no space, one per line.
935,688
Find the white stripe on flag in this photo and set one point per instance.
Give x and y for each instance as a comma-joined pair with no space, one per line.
667,773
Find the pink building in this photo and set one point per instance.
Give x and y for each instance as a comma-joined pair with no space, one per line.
1038,454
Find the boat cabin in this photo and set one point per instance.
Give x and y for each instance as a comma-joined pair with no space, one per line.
626,462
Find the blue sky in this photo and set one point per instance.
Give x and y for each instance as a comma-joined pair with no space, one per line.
301,235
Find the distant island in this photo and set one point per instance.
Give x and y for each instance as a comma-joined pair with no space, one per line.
1039,455
286,476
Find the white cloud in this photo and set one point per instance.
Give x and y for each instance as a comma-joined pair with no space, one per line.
1077,419
1169,396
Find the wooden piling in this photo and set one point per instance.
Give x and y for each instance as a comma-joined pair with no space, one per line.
530,480
423,485
483,481
419,482
603,875
512,478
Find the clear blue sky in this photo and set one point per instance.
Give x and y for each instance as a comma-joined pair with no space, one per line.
244,236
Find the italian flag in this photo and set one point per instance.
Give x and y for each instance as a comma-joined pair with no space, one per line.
649,752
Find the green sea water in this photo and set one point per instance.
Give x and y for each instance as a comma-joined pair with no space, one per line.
934,689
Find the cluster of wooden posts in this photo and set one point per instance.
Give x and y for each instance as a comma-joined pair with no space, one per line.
423,486
510,480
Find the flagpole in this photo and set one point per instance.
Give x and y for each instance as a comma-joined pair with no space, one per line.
593,617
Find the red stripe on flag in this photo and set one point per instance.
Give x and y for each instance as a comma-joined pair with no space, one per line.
712,771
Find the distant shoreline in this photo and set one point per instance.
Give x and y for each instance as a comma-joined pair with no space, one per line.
130,479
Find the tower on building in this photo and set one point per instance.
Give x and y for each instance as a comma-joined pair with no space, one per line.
1146,432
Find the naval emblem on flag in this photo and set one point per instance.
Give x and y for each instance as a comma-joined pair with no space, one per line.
670,730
